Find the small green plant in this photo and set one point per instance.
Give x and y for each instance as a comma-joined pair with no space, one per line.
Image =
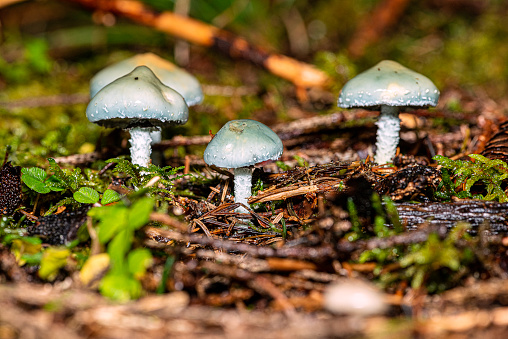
66,181
53,258
116,227
142,176
83,187
301,161
491,173
385,212
434,256
117,219
29,251
282,165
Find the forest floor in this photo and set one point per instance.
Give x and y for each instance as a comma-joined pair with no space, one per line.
421,244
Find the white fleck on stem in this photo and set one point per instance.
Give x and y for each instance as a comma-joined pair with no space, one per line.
388,127
140,145
243,186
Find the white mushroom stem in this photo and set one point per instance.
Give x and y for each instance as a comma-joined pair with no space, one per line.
388,127
243,186
140,145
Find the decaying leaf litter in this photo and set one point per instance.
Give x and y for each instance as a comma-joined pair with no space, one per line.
318,223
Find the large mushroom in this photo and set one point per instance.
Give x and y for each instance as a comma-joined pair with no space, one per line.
168,73
240,144
388,87
140,103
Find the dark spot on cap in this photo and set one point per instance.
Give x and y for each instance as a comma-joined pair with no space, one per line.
136,78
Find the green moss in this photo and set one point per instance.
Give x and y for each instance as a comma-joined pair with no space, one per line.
490,173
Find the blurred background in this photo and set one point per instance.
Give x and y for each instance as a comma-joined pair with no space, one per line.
50,49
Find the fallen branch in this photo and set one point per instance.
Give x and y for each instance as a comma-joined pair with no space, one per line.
301,74
313,254
6,3
295,190
475,212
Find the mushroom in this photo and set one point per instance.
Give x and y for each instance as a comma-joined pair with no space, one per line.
388,87
354,297
168,73
140,103
240,144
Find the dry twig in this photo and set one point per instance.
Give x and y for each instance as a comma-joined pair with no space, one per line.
301,74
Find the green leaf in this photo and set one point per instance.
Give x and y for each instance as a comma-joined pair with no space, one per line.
138,261
110,196
120,287
55,207
165,274
52,260
112,219
59,173
31,259
72,180
126,167
86,195
118,248
22,246
139,213
282,165
55,184
34,178
9,238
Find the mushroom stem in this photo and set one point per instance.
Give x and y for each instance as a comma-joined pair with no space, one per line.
387,134
243,186
140,145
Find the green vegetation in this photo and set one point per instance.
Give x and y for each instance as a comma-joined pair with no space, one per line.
116,226
491,173
116,217
434,264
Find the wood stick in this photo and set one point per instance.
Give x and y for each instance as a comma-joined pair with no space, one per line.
475,212
293,191
301,74
5,3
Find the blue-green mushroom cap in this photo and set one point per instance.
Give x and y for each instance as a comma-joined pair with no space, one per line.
138,99
169,74
388,83
241,143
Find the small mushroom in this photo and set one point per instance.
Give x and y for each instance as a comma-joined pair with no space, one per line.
168,73
240,144
355,297
140,103
388,87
